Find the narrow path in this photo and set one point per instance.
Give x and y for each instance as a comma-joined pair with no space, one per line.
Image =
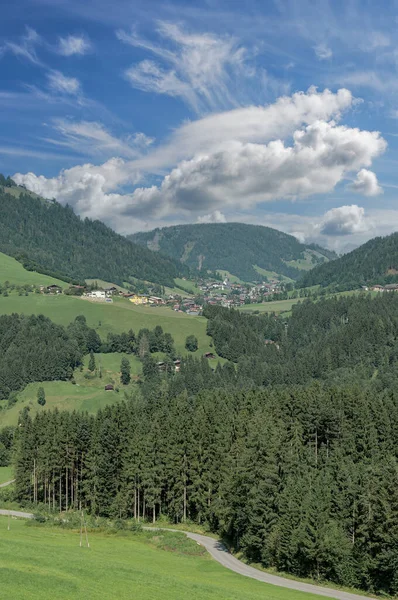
220,553
7,483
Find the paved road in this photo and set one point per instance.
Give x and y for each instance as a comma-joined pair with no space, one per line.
219,552
16,513
6,483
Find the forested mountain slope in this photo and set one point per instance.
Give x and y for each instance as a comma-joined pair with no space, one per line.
51,238
373,262
234,247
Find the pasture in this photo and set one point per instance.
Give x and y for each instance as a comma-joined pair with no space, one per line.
5,474
40,563
11,270
116,317
87,394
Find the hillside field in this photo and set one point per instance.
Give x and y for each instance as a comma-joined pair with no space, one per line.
279,306
11,270
117,317
5,474
40,563
88,394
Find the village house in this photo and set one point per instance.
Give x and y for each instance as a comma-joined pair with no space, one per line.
54,289
138,299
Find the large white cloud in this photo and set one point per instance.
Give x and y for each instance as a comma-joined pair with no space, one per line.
229,161
242,175
344,220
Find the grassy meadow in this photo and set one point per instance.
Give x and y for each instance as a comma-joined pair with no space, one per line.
5,474
11,270
119,316
87,394
40,563
279,306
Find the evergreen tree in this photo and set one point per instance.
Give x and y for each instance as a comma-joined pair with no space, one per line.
91,362
125,369
41,396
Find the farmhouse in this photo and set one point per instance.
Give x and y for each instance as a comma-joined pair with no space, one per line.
54,289
99,294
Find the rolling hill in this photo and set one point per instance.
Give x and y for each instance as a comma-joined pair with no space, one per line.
47,237
245,251
373,262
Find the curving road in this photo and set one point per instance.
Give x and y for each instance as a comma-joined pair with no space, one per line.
220,553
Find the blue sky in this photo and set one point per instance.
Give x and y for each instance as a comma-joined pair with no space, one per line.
144,114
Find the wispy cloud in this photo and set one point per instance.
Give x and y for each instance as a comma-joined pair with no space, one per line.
25,47
93,139
73,44
197,67
61,84
323,52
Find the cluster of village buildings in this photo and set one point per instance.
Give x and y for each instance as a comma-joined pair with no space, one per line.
223,293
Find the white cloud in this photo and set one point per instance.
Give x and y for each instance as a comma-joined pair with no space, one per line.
214,217
200,67
91,190
61,84
242,175
26,48
344,220
230,161
92,138
251,124
72,44
366,184
323,52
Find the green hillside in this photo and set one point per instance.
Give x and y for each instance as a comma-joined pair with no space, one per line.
117,317
48,564
86,394
373,262
238,248
51,238
11,270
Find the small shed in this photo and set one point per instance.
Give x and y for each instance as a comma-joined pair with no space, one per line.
109,387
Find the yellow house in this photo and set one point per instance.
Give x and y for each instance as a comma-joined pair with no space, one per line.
139,299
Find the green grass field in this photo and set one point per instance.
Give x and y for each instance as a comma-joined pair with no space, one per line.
117,317
5,474
278,306
188,285
11,270
272,274
88,394
40,563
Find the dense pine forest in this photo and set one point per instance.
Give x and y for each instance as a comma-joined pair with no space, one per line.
289,450
375,262
52,239
234,247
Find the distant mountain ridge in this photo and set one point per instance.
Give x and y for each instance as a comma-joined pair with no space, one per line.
242,250
376,261
48,237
